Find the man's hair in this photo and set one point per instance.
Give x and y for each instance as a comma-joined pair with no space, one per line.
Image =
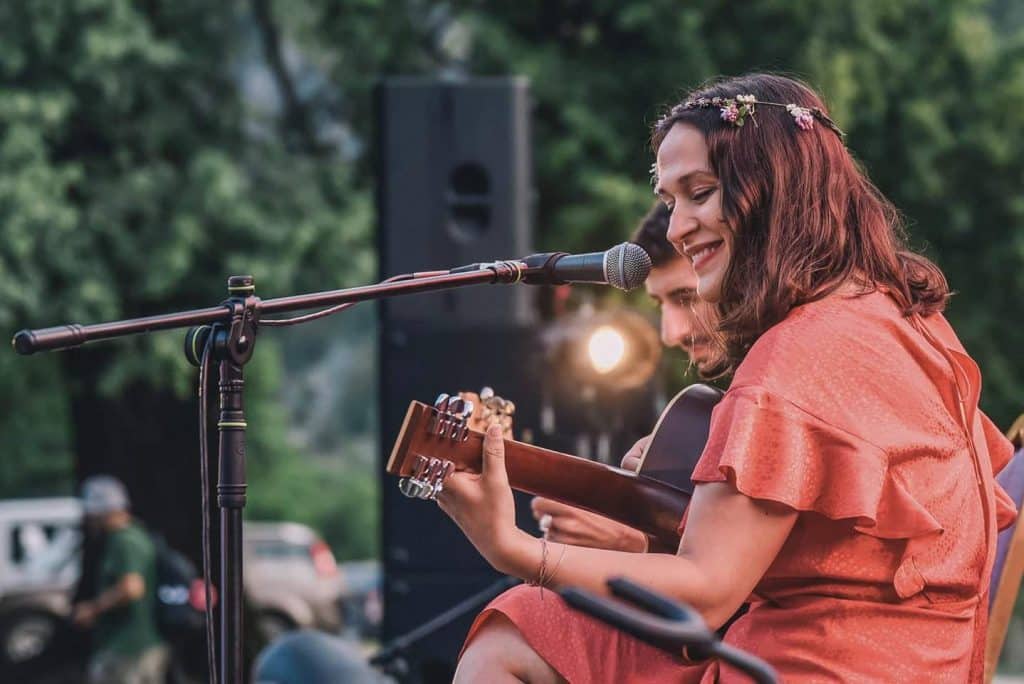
651,234
804,216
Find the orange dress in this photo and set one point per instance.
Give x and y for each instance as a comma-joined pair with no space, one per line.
857,418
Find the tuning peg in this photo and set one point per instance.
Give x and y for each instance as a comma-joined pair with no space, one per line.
446,468
426,480
413,485
450,416
409,487
434,477
437,420
460,427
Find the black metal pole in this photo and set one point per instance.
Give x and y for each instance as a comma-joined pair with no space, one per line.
231,424
231,500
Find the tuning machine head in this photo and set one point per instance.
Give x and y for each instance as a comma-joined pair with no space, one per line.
426,479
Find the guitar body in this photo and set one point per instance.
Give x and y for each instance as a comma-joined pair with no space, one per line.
435,440
679,437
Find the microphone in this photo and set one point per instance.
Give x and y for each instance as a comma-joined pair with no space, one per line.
624,266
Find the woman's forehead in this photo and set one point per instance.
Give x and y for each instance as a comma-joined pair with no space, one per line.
683,152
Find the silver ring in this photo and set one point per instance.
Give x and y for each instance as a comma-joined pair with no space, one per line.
545,522
435,490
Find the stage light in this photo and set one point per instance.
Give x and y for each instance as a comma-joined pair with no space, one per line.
606,348
607,351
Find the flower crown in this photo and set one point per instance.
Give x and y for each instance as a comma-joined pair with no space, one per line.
736,110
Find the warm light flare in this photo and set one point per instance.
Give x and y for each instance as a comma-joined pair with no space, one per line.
606,348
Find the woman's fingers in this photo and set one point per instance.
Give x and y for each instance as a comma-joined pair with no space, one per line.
631,461
494,457
541,506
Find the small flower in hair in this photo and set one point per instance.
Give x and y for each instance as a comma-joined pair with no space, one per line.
802,116
734,113
731,113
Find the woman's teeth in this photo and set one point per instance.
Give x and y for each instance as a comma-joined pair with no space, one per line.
706,252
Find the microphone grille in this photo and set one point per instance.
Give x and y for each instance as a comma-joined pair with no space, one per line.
626,266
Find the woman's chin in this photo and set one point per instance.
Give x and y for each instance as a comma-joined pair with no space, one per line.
710,289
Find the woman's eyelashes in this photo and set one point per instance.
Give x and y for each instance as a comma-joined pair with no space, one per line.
698,197
701,195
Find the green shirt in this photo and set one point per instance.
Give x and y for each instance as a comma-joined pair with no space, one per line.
128,629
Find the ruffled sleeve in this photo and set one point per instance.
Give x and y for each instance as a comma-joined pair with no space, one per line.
768,448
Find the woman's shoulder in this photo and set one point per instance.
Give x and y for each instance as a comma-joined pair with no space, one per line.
841,334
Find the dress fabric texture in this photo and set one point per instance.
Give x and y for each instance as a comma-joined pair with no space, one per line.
858,418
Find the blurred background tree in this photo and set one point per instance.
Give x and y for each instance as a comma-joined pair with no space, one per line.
139,139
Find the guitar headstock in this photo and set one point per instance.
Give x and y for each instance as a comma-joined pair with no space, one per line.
490,408
427,430
434,439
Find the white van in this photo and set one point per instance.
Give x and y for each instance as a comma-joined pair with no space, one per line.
39,539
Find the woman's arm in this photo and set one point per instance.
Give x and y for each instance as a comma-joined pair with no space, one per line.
729,542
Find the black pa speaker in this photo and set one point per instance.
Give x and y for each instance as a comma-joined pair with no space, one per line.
454,188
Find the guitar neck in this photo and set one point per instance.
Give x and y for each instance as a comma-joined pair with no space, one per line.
643,503
640,502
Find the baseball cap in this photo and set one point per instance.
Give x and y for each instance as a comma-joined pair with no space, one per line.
103,494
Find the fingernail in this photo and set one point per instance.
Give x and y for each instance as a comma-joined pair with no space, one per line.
494,430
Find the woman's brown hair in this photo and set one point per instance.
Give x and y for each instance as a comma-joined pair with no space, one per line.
805,216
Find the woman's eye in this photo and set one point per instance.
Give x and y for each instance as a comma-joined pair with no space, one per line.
702,195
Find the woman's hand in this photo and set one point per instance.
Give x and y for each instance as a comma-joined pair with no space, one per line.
570,525
482,504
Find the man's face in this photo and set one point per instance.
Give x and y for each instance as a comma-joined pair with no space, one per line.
673,286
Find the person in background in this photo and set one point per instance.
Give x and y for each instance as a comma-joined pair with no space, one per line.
127,648
686,324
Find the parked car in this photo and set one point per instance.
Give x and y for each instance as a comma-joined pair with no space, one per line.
39,541
291,577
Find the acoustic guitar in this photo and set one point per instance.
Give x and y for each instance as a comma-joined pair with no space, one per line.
435,440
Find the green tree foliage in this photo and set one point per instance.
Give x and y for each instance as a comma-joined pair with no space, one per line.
137,173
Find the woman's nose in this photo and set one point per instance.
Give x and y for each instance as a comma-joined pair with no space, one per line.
680,226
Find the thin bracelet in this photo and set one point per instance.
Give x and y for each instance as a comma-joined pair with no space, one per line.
565,547
539,582
545,577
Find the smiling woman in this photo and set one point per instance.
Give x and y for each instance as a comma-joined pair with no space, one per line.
846,489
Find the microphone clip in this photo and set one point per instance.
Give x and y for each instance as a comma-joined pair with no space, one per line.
540,269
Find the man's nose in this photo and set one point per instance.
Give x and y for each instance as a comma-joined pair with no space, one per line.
676,330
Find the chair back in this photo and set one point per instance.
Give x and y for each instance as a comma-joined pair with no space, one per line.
1008,567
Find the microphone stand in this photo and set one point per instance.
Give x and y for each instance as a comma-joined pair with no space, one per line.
229,331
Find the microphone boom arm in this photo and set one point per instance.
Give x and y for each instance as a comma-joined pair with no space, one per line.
74,335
